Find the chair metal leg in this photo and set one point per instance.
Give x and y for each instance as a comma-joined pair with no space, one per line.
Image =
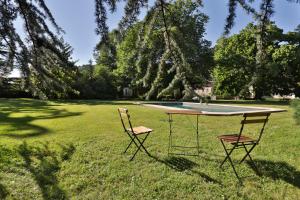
230,161
141,143
132,141
128,146
227,154
248,153
140,146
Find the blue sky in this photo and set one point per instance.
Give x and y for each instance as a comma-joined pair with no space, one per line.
76,17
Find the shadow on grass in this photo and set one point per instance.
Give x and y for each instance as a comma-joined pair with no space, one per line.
94,102
183,164
277,170
43,163
179,163
7,160
3,191
31,110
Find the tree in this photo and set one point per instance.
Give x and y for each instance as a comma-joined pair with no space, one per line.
95,81
106,50
16,51
159,63
55,78
42,57
262,17
235,57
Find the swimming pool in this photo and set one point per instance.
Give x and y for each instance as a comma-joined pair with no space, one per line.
211,109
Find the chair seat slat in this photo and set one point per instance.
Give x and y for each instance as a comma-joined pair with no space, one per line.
259,114
140,130
253,121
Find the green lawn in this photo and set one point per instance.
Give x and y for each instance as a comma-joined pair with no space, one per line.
72,150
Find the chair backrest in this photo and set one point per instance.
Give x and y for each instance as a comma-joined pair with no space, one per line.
255,118
125,119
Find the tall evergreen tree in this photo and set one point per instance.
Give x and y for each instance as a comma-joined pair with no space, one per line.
159,63
42,57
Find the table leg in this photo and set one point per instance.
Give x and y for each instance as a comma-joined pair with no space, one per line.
170,133
198,145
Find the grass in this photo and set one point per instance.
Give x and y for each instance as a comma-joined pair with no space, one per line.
296,106
72,150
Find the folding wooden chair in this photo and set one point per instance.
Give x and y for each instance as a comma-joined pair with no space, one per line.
134,132
241,141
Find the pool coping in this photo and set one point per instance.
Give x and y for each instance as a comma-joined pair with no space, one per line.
169,108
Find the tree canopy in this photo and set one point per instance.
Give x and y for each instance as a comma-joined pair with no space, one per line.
235,57
262,17
156,63
44,59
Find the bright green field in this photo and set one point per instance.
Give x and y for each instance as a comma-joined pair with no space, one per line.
72,150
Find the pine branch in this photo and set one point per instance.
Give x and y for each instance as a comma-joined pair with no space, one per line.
131,12
231,16
101,17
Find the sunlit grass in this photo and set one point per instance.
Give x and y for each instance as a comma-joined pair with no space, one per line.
73,150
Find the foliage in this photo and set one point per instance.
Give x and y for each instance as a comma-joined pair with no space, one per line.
106,50
262,16
157,62
126,57
97,169
52,78
285,70
41,56
13,88
235,57
95,82
56,77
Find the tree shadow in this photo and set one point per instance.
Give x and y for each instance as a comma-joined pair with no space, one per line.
183,164
93,102
3,191
179,163
31,110
277,170
7,159
43,163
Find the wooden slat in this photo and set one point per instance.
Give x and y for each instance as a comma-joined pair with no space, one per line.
234,138
122,110
257,114
253,121
140,130
124,114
